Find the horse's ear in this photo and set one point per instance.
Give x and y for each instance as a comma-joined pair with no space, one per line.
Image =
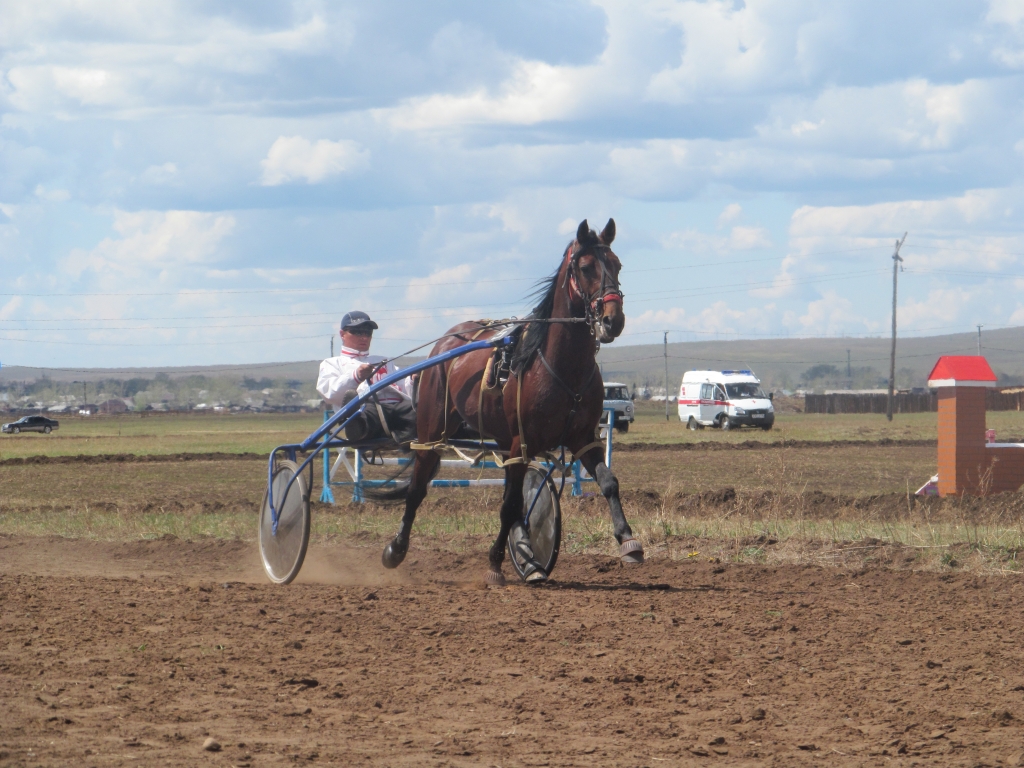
583,233
608,233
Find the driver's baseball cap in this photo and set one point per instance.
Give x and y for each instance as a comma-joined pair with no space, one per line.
356,319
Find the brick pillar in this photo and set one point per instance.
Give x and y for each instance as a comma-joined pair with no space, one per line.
962,453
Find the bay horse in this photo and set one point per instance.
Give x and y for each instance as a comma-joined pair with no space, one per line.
554,395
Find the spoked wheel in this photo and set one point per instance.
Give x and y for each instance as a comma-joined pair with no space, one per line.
543,524
283,550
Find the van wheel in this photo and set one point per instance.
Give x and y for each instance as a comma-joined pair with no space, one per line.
622,426
724,423
692,424
767,427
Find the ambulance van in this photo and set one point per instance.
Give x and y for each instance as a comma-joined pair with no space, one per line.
724,399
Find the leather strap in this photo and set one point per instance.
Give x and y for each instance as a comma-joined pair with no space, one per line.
566,387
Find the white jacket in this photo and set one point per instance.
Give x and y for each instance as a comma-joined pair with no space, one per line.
338,377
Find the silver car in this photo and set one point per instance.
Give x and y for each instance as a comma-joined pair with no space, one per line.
616,396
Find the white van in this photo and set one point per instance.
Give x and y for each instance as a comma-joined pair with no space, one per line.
724,399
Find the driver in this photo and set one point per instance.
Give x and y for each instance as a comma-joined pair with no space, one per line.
347,376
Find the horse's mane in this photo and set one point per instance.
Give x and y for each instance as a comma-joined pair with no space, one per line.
537,333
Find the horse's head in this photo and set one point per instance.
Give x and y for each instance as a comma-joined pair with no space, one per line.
594,280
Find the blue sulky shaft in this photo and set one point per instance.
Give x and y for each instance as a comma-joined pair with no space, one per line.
342,417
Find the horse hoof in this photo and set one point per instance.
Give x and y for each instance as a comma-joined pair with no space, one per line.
537,577
495,579
393,556
631,552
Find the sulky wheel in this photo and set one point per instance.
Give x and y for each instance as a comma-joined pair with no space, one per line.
544,523
284,550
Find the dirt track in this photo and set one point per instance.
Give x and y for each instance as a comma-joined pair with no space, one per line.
133,654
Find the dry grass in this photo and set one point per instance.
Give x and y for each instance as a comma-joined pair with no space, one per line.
259,433
831,504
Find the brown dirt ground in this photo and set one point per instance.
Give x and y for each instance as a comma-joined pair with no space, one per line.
135,653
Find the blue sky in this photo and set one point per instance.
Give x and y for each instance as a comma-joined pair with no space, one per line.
217,182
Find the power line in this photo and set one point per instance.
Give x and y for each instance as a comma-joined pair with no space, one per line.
645,298
418,282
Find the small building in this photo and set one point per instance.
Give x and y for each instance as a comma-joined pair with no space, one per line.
88,410
967,462
113,406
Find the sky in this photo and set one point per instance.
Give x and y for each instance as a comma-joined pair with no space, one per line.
187,183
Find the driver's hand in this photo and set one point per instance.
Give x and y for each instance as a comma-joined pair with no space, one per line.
364,371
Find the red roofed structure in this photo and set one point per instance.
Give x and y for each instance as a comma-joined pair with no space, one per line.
961,371
967,464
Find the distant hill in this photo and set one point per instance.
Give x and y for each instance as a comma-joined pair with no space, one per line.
303,370
780,363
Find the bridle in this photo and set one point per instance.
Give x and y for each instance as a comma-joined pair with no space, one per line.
608,290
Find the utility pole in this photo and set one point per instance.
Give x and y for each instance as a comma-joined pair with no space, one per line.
896,260
979,340
666,375
332,345
848,374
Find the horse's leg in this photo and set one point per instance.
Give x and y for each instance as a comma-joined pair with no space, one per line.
511,516
630,550
423,471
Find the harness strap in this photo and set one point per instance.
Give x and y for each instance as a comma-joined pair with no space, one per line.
383,421
519,415
575,396
575,455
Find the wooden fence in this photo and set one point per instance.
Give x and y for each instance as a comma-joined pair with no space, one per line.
904,402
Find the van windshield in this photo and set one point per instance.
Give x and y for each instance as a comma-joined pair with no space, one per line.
745,390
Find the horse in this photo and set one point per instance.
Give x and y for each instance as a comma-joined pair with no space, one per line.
554,395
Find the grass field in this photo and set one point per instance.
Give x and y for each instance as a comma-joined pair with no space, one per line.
259,433
669,495
651,426
164,434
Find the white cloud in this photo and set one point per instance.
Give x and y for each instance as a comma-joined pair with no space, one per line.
568,226
52,195
962,230
832,315
536,92
749,238
153,240
740,238
729,214
160,174
719,318
510,216
10,307
293,158
727,48
438,284
942,307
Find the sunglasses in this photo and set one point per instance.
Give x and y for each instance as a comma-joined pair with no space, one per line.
360,331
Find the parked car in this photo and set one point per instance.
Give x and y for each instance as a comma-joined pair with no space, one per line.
31,424
724,399
616,396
